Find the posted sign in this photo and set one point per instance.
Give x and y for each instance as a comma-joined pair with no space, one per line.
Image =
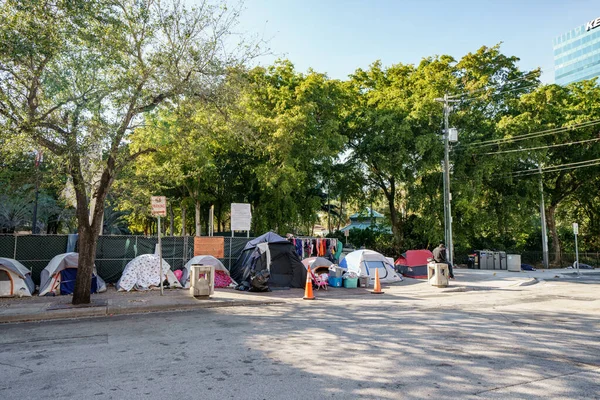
241,217
158,204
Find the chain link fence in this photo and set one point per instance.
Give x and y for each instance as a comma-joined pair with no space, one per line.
112,252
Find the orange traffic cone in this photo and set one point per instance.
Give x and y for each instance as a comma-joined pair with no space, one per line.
377,283
308,292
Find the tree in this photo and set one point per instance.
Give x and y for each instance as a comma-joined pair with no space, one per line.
392,127
76,76
554,107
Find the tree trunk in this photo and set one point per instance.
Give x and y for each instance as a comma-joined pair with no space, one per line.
183,230
395,219
89,231
396,226
551,221
198,233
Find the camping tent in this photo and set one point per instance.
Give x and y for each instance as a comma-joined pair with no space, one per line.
59,276
204,260
274,253
318,265
15,279
413,263
365,262
143,273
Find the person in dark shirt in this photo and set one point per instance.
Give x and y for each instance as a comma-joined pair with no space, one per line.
439,255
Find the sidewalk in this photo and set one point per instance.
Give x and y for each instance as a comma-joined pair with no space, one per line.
112,303
117,303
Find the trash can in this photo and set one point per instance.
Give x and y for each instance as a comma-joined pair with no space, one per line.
514,262
202,280
363,281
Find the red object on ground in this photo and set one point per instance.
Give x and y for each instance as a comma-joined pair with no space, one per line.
222,280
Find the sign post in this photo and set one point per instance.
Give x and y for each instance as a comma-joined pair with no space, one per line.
159,208
347,233
241,217
576,232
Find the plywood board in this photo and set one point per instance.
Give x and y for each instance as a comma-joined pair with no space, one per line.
209,246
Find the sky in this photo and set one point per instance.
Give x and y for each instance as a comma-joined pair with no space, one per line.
338,36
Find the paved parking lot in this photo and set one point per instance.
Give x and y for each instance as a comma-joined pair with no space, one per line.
539,341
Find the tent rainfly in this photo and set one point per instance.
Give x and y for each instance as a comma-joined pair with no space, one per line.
413,263
365,262
143,273
59,276
15,279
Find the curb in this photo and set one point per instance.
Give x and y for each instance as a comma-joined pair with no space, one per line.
108,311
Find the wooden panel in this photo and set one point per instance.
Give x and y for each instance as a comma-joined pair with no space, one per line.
209,246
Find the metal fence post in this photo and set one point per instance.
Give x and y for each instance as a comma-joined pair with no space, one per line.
15,249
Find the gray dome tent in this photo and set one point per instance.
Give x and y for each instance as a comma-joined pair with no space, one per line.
275,254
15,279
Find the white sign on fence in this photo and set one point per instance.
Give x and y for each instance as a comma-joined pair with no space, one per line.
241,217
158,205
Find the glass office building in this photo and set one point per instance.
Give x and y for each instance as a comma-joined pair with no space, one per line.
577,54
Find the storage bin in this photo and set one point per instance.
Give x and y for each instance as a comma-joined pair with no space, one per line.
335,282
336,272
351,283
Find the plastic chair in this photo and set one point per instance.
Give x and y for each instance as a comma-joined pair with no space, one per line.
318,281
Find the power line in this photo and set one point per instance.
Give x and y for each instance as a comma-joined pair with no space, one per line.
526,76
555,168
493,142
497,93
559,169
539,147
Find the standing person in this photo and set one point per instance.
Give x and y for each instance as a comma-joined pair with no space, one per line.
439,255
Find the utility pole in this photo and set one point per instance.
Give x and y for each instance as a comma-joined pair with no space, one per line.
447,194
543,221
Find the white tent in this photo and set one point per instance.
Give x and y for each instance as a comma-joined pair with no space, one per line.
143,273
15,279
201,260
59,276
365,262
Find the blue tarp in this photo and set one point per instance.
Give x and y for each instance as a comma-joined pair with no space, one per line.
67,281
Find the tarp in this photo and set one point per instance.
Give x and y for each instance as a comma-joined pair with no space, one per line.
19,283
365,262
201,260
413,263
143,273
51,277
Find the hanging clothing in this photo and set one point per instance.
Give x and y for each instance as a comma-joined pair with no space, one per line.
338,251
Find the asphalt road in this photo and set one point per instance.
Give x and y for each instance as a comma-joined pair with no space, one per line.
541,341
